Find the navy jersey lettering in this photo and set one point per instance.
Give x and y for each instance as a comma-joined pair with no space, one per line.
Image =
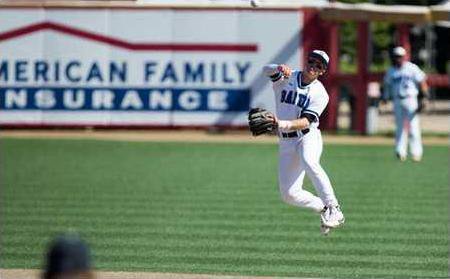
293,98
303,101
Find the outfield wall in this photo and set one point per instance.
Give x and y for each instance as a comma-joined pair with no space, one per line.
159,67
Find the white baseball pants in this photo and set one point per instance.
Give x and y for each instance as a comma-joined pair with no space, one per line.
407,125
300,156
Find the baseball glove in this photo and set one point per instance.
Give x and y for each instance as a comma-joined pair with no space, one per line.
422,102
421,105
261,121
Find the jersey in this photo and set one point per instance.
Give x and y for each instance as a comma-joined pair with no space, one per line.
294,101
402,82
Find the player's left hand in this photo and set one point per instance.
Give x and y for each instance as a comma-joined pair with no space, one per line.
261,121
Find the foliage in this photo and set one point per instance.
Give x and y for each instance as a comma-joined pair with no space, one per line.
381,32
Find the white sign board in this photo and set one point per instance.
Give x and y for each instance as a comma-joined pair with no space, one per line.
149,67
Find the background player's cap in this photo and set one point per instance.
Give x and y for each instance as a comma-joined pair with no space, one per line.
321,55
399,51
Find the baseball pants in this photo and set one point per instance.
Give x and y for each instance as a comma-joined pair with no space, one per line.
407,126
300,156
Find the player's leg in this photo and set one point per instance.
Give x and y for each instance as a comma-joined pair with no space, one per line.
415,136
291,175
323,228
401,132
311,149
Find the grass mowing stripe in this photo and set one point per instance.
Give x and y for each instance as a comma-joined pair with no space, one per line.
139,209
209,190
16,226
256,259
197,223
249,239
414,215
425,240
266,259
230,223
200,218
209,204
288,213
250,203
270,249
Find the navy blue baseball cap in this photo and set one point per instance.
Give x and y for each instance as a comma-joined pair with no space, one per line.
67,253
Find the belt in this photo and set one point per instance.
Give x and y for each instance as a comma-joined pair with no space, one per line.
403,97
295,134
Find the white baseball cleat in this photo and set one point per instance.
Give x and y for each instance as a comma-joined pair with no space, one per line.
332,217
324,229
402,158
417,158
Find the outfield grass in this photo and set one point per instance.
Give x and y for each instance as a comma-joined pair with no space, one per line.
215,208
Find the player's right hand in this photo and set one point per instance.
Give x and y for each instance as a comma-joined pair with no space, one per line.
285,70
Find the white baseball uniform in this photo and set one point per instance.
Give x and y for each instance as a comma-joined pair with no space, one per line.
300,151
401,85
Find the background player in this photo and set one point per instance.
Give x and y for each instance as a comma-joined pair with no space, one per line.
300,100
401,84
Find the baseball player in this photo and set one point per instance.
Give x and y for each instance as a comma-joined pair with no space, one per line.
401,84
300,100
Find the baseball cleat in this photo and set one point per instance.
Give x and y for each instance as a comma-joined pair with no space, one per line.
332,217
417,159
324,230
402,158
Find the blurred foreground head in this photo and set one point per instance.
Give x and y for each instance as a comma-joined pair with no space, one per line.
68,257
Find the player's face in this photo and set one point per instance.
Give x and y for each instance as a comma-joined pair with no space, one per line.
314,67
398,60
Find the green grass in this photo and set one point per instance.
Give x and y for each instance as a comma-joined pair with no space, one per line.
215,208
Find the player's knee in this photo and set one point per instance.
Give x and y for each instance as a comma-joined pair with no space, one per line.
292,196
313,168
288,197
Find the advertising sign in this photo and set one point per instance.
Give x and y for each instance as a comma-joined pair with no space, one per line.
150,67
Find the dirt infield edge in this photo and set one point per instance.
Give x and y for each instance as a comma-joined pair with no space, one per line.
34,274
196,136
